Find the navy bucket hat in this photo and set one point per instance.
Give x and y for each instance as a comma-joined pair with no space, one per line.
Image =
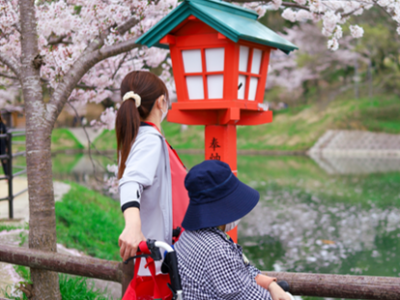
217,197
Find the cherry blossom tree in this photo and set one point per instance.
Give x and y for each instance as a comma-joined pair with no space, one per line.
75,51
333,14
311,62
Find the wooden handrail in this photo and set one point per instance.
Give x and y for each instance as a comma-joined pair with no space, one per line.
340,286
76,265
302,284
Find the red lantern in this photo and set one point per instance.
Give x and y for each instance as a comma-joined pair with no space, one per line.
220,57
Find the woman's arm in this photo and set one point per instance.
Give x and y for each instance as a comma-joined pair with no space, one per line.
132,234
139,173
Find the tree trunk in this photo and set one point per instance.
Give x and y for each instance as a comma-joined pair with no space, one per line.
42,227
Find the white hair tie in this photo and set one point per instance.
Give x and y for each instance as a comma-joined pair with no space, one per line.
132,95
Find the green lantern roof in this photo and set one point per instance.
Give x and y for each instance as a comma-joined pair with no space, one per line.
234,22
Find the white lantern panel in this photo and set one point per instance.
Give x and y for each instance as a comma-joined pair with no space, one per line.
243,58
215,58
255,66
215,85
253,88
192,61
195,87
241,86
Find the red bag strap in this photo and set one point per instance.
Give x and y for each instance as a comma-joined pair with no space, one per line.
150,265
152,268
173,150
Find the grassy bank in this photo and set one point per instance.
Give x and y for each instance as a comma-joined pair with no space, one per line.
89,222
63,139
293,129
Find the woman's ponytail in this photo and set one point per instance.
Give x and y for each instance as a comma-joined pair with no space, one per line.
126,128
149,87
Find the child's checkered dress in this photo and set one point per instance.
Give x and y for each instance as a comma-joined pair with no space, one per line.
212,267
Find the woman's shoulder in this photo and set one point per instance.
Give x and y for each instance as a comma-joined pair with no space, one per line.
148,138
148,133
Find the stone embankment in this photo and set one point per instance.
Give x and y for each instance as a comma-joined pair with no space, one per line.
357,152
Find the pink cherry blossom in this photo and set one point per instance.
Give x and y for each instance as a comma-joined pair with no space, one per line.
289,14
333,44
356,31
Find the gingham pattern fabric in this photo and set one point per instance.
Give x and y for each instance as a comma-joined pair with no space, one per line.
211,267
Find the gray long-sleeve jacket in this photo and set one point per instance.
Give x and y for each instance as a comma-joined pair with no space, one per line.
147,180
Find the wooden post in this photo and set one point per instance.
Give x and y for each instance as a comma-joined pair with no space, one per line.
220,144
127,275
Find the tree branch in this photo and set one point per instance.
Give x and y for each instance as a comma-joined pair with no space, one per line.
88,87
119,48
383,9
91,56
58,40
8,76
80,67
11,63
121,62
295,5
285,4
127,25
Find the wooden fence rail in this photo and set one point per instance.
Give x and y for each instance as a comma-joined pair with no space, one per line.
302,284
341,286
75,265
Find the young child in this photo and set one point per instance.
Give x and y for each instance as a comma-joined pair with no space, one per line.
211,265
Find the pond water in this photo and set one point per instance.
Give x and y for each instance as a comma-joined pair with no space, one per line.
343,218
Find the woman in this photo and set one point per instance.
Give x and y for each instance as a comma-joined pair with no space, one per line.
3,146
151,175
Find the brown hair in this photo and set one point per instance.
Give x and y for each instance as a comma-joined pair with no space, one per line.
149,87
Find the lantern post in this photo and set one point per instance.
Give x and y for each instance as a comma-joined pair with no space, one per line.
220,56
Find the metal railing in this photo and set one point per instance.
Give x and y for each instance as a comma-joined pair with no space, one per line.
8,157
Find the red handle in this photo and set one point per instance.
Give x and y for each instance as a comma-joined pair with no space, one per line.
143,248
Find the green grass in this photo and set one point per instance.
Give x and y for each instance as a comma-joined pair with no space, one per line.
89,222
64,163
62,139
71,287
13,227
106,140
77,288
293,129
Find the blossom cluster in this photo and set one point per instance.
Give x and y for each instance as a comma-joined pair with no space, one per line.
332,13
286,71
67,27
